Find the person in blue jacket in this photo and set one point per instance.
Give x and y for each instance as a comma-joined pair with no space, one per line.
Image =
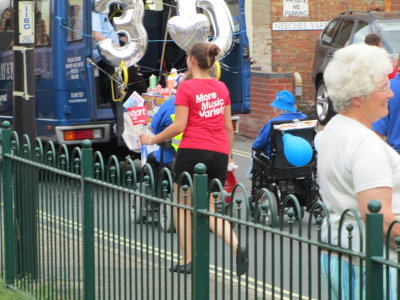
161,120
389,126
164,117
284,105
102,29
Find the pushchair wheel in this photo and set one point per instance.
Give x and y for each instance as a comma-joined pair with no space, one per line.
318,211
137,211
231,209
265,208
166,218
296,215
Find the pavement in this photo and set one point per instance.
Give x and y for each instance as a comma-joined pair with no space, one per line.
242,157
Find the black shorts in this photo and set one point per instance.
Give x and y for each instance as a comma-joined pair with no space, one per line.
215,162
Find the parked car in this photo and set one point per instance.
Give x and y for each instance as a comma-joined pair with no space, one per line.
347,28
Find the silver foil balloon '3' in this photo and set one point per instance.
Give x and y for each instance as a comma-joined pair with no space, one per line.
130,24
190,27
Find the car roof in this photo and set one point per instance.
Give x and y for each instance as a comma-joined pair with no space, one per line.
370,16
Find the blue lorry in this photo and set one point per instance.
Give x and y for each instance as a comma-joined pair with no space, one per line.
67,107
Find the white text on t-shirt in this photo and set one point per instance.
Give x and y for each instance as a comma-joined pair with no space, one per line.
211,105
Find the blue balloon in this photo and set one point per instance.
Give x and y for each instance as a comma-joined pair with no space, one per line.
297,150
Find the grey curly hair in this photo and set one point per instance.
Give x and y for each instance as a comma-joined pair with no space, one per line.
355,71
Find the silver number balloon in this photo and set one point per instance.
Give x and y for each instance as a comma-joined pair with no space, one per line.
189,26
130,23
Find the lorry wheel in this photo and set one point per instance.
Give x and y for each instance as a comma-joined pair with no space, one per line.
323,105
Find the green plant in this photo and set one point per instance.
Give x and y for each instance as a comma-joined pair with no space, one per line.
10,294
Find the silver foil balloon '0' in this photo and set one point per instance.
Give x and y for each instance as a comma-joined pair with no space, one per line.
190,27
130,23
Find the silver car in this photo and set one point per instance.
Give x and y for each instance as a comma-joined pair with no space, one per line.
347,28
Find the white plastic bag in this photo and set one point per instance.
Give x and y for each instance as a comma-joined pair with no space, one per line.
131,133
147,149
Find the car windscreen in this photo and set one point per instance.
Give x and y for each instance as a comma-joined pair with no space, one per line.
390,33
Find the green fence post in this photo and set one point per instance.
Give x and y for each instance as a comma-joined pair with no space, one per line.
201,238
88,222
9,250
26,200
374,247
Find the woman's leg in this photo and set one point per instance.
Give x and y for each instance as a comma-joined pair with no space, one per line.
183,223
349,273
223,229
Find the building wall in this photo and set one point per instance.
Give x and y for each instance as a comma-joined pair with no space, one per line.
264,87
294,50
248,9
260,38
395,5
286,52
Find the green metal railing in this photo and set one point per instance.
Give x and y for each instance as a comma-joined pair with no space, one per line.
77,226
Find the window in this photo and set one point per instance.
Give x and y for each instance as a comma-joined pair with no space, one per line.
362,30
5,13
43,22
74,20
343,34
327,35
390,33
234,9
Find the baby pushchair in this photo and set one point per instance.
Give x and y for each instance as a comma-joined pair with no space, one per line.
151,211
280,178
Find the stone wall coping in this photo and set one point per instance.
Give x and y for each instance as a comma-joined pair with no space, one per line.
271,75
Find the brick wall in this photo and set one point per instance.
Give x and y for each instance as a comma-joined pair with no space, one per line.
278,54
395,5
264,87
294,50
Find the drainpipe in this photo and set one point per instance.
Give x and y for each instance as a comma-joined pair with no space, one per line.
298,85
387,5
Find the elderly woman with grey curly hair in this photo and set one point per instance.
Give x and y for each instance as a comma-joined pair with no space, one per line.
354,164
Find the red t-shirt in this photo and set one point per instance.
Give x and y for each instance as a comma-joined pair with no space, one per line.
206,100
394,71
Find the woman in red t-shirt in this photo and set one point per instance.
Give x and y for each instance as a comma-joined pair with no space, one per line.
203,114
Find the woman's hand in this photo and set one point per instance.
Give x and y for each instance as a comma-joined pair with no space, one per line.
145,139
232,166
178,126
384,195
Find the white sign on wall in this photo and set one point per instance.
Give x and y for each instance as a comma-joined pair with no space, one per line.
288,26
296,8
26,22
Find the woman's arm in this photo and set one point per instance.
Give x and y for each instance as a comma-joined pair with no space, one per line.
178,126
229,128
262,140
384,195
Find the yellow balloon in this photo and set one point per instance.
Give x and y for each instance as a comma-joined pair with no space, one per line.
217,67
122,92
